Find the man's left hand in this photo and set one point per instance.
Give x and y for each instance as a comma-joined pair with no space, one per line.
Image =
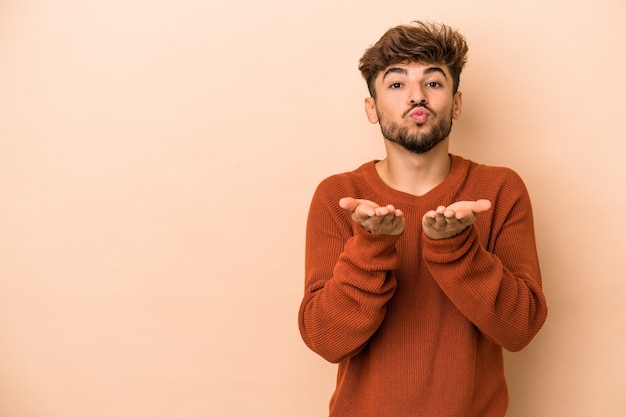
445,222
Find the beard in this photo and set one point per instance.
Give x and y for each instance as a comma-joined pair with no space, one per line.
417,142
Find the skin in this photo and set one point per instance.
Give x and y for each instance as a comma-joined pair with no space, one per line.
415,107
378,220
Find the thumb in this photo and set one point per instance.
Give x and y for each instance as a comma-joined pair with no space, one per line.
481,205
348,203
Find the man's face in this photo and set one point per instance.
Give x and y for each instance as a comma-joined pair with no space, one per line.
414,105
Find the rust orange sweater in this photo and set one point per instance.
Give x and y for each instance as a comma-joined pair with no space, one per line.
416,325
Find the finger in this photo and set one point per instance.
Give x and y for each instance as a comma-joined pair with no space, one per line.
384,220
463,214
381,211
369,208
449,213
481,206
384,211
348,203
440,220
429,217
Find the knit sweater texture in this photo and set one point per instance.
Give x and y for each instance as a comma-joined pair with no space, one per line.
417,325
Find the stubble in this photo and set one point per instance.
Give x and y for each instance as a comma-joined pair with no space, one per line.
420,141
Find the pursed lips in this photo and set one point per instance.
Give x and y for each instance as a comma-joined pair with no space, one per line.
419,114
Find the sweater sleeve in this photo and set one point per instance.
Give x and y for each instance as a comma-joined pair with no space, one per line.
348,280
499,289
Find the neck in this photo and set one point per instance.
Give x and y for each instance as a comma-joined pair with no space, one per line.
413,173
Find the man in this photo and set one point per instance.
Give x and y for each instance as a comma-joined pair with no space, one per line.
420,267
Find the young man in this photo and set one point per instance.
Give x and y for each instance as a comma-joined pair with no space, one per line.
420,267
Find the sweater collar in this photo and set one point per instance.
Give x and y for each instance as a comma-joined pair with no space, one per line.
447,188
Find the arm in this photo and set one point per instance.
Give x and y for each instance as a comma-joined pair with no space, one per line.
499,289
348,274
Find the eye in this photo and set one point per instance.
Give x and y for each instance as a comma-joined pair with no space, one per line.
395,85
433,84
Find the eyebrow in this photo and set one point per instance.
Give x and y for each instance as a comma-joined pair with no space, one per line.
395,70
403,71
435,69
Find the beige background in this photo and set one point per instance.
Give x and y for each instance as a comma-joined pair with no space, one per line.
157,159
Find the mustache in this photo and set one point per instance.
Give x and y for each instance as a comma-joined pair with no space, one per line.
416,105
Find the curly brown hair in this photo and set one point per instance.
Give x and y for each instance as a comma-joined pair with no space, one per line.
422,42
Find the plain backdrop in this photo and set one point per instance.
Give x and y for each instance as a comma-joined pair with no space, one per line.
157,160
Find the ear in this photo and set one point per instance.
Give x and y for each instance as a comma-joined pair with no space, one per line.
370,110
458,104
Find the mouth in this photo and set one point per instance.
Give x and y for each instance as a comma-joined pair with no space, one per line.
419,115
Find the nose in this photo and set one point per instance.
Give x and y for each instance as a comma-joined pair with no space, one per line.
417,96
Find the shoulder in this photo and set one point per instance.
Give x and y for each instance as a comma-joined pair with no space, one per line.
491,177
501,185
345,183
507,192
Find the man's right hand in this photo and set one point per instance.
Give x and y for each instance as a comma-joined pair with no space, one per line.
378,220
